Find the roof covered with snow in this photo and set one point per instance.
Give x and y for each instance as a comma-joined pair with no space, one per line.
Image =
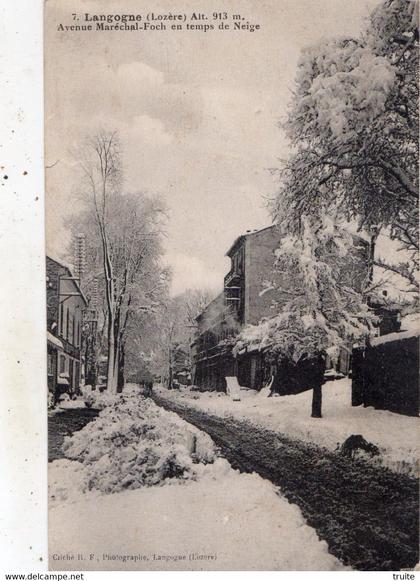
242,237
395,337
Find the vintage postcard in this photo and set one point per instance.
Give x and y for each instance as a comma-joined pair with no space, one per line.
232,284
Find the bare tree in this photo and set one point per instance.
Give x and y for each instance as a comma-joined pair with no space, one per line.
171,331
195,302
128,245
174,329
101,165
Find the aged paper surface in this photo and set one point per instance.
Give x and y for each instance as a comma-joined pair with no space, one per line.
231,379
23,426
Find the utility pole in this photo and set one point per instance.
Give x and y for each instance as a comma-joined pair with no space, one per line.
80,256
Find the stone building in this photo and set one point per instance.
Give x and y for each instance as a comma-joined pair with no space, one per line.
65,306
248,297
243,301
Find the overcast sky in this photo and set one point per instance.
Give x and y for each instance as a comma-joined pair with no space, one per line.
197,114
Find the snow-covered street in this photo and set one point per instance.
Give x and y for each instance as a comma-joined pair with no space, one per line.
143,489
397,436
236,521
346,500
163,485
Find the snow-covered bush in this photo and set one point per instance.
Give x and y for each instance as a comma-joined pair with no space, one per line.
134,443
85,389
97,399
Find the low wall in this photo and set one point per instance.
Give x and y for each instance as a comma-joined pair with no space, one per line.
386,374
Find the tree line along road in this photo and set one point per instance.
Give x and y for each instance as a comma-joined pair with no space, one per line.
367,514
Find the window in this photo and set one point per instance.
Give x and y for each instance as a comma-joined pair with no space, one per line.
67,323
62,363
61,319
71,328
50,365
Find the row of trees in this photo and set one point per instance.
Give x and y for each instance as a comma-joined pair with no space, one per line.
123,234
139,326
172,326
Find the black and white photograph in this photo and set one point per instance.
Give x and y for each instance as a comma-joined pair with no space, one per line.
231,279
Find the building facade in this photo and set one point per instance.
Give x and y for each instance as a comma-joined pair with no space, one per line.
248,297
243,301
65,307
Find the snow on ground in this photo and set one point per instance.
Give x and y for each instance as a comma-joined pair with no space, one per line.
396,435
67,404
132,443
411,322
93,398
209,517
237,521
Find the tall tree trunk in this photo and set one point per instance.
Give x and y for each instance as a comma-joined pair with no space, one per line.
318,375
111,382
170,371
115,375
90,358
113,353
121,365
110,365
317,401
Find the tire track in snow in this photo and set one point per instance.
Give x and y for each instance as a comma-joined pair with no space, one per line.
368,515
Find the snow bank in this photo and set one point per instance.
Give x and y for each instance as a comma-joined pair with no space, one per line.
97,399
65,403
218,520
132,443
69,404
223,521
411,322
67,481
396,436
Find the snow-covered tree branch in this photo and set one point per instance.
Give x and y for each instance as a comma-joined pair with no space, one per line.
123,234
353,125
